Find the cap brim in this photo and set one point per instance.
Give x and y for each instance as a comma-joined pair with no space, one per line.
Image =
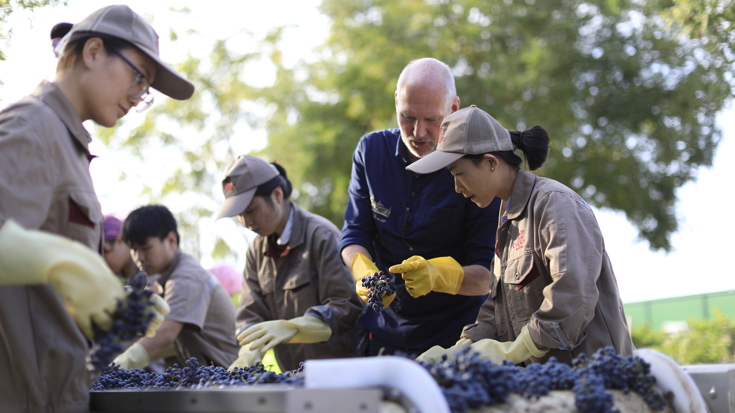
168,81
235,205
434,162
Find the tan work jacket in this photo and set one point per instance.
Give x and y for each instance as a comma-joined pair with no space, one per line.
551,271
308,278
44,184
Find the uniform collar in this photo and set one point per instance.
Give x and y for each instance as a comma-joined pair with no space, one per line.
522,188
171,267
50,94
295,238
401,149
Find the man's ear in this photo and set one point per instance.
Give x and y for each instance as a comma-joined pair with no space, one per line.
171,237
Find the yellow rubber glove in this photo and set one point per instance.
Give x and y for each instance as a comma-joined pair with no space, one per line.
435,353
135,357
78,274
160,309
268,334
246,358
362,267
517,351
442,274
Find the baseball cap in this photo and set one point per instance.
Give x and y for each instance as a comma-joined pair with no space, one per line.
111,227
242,177
122,22
468,131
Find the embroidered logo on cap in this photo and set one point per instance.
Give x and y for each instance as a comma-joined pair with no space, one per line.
441,135
228,187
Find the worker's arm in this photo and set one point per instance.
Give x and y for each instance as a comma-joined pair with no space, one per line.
348,253
476,280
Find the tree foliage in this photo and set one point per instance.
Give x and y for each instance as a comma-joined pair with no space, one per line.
705,341
9,6
628,98
627,89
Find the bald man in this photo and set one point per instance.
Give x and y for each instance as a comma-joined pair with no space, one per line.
439,244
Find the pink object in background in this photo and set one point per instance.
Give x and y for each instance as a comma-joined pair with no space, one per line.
230,278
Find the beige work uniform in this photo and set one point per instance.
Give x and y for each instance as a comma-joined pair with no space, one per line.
44,184
308,278
198,300
552,272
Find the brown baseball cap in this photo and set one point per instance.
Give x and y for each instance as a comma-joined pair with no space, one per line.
122,22
468,131
243,175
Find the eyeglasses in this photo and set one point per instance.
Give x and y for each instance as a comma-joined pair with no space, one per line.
139,89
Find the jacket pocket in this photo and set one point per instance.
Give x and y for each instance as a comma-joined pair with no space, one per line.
84,218
299,293
524,286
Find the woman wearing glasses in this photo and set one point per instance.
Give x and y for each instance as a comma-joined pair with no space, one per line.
53,281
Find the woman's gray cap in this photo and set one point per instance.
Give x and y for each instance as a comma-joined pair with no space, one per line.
243,175
468,131
122,22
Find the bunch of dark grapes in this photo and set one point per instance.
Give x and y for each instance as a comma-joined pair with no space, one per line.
590,395
377,284
130,320
469,382
193,376
628,374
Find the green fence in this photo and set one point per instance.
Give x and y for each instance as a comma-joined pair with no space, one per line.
659,313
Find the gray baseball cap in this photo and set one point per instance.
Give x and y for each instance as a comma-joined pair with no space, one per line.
243,175
122,22
468,131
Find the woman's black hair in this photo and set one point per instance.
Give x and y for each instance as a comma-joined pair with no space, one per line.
60,30
78,39
533,142
281,180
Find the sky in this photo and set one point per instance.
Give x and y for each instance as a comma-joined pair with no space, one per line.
692,267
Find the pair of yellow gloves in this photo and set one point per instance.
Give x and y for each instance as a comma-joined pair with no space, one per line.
261,337
421,276
80,276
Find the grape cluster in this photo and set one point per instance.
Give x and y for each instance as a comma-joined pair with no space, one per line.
377,284
131,319
193,376
469,382
628,374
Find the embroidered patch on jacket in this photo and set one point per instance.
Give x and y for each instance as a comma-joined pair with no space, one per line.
520,242
379,209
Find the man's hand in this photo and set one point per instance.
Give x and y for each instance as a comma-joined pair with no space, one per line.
246,358
135,357
160,309
79,275
443,274
268,334
362,267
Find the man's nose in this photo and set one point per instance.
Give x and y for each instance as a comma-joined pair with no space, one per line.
419,129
